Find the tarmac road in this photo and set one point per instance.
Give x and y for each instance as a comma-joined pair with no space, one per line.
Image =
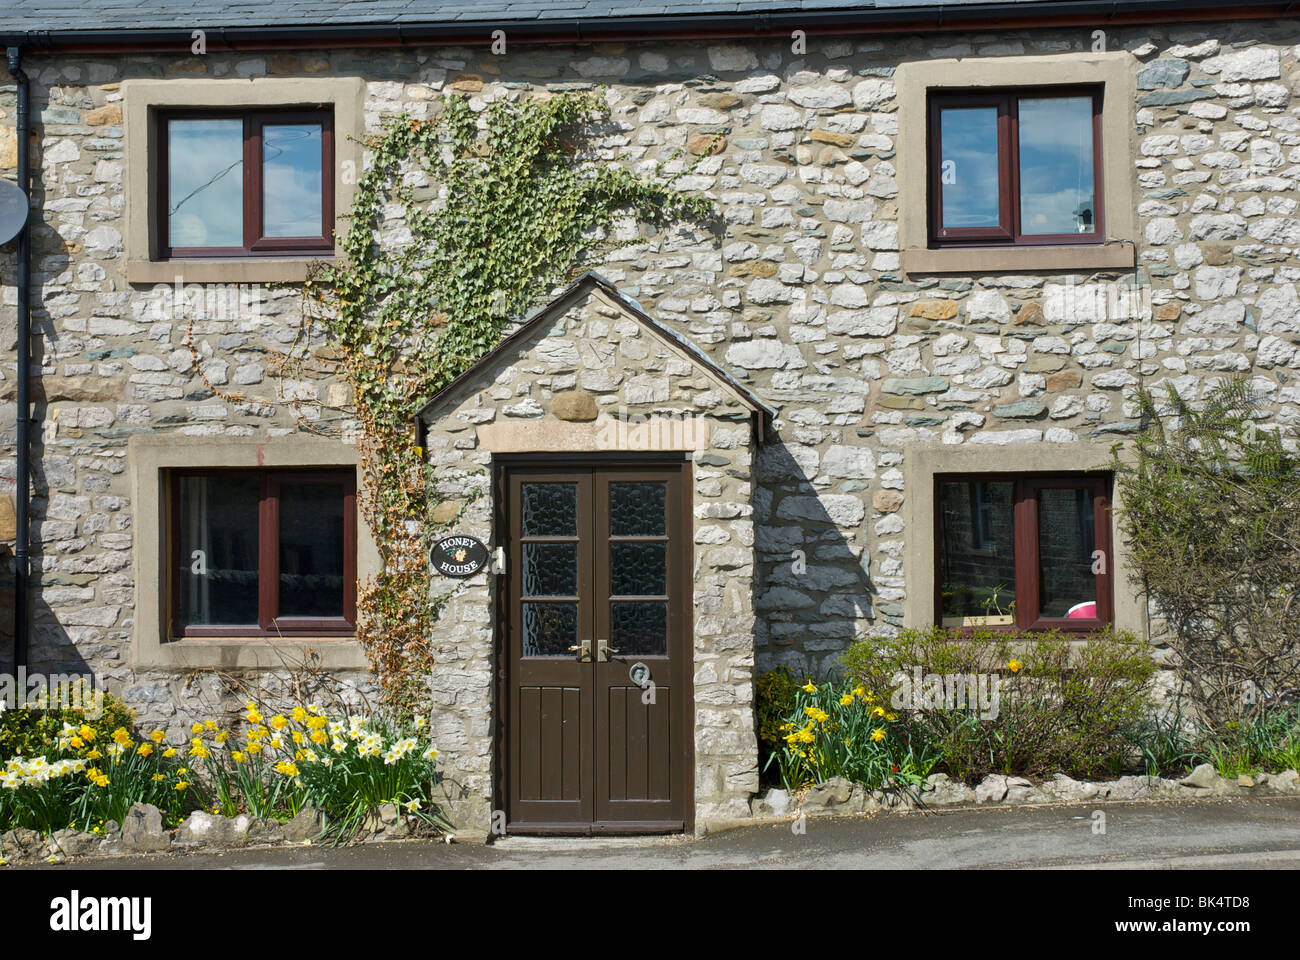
1167,835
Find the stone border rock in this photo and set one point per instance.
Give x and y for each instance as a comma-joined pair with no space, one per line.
142,832
838,796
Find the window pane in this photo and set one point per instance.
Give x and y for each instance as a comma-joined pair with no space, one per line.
969,171
550,509
638,569
550,569
550,629
638,509
977,555
311,549
205,183
1066,539
216,558
639,629
291,180
1056,175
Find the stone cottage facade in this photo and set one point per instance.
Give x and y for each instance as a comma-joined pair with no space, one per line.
834,406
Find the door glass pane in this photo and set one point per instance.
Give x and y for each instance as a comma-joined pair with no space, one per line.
977,555
291,180
550,509
638,569
969,169
638,509
1056,169
216,558
1066,540
550,629
205,183
550,569
639,629
311,549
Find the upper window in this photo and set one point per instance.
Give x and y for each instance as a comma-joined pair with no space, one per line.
246,184
1015,167
1026,551
263,553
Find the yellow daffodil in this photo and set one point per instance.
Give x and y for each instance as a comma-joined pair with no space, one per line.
809,687
157,736
877,735
238,757
299,714
1014,666
169,752
144,749
846,699
278,722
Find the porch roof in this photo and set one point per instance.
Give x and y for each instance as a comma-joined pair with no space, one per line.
761,414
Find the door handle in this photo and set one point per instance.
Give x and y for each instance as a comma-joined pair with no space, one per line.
603,651
585,648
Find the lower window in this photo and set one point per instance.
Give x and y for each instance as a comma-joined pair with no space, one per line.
1027,551
262,553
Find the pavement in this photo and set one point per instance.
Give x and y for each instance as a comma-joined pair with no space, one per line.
1165,835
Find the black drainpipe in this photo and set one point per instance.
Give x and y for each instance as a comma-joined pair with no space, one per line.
22,571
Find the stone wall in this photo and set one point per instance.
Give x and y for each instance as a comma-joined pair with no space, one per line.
803,298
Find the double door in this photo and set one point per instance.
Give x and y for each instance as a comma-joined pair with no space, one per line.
597,634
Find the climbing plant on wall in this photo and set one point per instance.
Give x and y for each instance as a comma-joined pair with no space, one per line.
460,224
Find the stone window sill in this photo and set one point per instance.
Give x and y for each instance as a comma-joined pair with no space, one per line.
256,270
259,653
1107,256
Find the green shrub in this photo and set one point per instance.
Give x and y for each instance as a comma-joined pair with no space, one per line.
1062,705
28,732
1210,508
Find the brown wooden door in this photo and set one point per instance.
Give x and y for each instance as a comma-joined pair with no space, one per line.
598,580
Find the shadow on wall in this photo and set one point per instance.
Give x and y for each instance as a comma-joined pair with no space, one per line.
811,581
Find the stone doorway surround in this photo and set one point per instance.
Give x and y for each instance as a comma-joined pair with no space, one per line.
591,372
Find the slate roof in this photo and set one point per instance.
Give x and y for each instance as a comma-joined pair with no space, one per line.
760,412
58,16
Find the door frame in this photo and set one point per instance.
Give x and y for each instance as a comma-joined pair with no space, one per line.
501,465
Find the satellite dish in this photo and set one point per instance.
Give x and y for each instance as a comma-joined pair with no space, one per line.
13,210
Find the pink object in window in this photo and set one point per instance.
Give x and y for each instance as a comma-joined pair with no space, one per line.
1083,611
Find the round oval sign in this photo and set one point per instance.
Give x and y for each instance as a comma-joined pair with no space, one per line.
458,556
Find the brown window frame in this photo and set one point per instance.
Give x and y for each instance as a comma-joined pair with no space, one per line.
1025,491
269,624
255,244
1007,232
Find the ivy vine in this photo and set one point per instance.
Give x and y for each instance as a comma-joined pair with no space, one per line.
460,224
